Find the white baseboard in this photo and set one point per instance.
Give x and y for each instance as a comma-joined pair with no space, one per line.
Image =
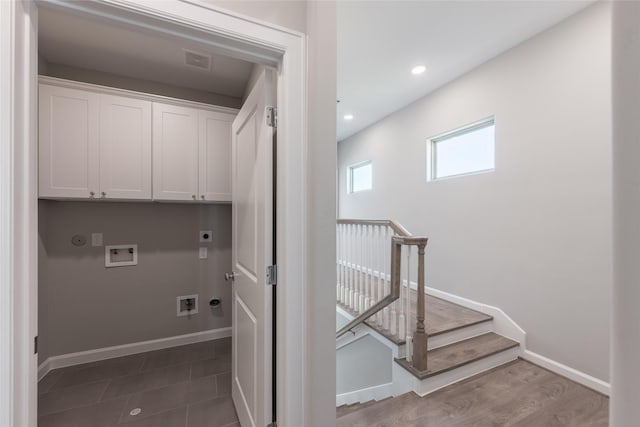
568,372
366,394
95,355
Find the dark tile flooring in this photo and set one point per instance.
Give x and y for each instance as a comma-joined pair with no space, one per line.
186,386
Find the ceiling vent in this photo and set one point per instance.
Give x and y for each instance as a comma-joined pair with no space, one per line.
197,60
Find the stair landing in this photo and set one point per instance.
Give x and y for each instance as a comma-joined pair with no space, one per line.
441,317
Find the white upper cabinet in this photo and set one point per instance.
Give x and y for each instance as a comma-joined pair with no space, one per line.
69,147
191,154
125,148
104,143
215,156
175,152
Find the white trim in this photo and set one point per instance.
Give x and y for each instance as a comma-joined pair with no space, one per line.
105,353
568,372
502,323
90,87
256,41
461,334
377,392
7,337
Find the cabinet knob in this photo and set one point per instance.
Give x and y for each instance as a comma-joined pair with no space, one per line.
193,196
103,194
202,196
91,193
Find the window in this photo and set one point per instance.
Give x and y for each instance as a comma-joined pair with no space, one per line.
360,177
467,150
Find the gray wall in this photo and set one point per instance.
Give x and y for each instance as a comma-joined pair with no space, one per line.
533,237
111,80
83,305
625,343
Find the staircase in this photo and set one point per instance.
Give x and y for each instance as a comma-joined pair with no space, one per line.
377,320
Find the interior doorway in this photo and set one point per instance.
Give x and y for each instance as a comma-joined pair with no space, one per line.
276,46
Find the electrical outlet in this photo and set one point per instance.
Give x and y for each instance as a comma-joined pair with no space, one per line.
187,305
96,239
206,236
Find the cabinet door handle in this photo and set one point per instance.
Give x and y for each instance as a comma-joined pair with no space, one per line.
202,197
91,193
103,194
193,196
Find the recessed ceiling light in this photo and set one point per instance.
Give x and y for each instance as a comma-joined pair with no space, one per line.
418,70
348,116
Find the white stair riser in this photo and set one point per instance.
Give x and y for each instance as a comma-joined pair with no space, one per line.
461,334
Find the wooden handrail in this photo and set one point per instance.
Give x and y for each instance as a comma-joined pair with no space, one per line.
395,226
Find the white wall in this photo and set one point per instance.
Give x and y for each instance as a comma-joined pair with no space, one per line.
290,14
625,344
533,237
353,375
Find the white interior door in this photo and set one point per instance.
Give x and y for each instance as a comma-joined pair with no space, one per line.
252,182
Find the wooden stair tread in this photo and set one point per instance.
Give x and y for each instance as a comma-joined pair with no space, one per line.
454,355
343,410
441,317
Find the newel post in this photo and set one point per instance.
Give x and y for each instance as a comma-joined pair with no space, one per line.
420,335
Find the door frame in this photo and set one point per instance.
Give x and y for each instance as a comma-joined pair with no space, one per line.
227,32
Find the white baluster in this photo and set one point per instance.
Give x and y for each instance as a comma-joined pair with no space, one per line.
338,293
409,335
402,322
366,265
342,264
352,277
377,248
385,263
360,269
345,271
393,327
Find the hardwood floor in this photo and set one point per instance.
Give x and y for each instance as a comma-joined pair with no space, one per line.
517,394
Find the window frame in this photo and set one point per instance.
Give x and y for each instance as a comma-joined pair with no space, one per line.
459,131
350,170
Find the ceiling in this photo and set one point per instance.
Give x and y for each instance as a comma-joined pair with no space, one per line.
379,42
117,49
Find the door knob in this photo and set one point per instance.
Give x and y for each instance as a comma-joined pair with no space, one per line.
230,276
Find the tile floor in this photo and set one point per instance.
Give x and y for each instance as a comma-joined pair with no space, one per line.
187,386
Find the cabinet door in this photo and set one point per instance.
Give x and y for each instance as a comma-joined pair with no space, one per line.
125,148
175,152
68,143
215,156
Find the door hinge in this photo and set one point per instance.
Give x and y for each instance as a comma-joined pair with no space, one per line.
272,117
272,275
35,345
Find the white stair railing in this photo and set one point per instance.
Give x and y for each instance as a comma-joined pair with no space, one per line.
372,284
